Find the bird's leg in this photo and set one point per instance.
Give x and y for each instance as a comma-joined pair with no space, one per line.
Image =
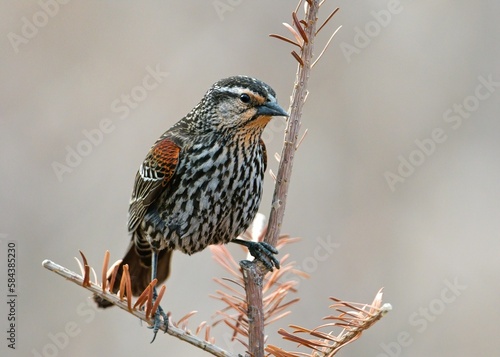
159,312
261,251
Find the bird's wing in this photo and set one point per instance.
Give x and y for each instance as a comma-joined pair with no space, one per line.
153,176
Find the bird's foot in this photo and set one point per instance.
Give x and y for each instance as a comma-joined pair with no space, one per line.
160,318
263,252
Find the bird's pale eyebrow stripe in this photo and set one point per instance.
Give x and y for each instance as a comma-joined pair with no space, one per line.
235,90
239,90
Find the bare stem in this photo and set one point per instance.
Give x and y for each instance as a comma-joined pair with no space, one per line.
253,287
292,129
253,272
172,330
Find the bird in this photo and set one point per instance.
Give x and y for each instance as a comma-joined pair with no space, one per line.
201,183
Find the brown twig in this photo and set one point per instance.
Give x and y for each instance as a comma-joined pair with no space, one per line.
275,288
86,270
293,125
172,330
350,323
255,309
254,271
104,273
327,19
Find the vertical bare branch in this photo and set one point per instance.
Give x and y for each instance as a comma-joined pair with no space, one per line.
253,287
293,126
253,272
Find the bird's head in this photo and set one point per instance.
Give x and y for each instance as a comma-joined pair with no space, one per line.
240,103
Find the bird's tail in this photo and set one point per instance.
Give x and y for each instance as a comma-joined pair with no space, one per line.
139,266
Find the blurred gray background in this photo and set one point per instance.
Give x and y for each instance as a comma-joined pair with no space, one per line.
395,185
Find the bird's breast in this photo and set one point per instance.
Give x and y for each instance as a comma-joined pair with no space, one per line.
213,196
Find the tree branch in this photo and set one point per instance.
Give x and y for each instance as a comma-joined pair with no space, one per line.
253,287
253,272
298,98
172,330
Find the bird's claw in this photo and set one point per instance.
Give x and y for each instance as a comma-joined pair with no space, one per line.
160,318
264,252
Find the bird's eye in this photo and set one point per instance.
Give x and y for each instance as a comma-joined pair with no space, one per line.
245,98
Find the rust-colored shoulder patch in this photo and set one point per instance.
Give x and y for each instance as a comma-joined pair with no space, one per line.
166,156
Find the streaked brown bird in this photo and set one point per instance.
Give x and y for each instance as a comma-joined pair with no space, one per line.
201,182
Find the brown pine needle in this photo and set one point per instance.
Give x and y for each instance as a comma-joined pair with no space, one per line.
275,287
245,344
278,352
94,275
286,239
104,273
200,327
142,299
229,287
158,300
283,38
207,334
328,343
237,329
123,282
300,273
235,283
186,317
236,305
295,34
288,336
327,19
299,27
82,271
297,57
286,305
222,256
128,286
239,319
276,318
86,270
326,46
149,303
298,6
206,344
113,275
273,175
83,258
301,140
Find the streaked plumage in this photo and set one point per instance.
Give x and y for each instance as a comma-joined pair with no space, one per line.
201,182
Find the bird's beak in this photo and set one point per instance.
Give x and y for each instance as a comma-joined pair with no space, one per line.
271,109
